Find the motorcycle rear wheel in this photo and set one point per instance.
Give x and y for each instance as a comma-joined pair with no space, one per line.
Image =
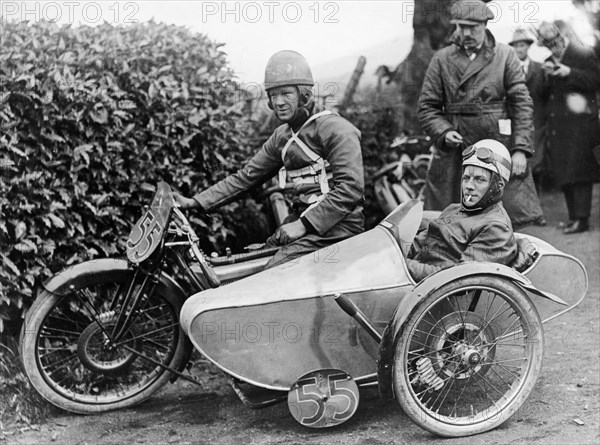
468,357
70,360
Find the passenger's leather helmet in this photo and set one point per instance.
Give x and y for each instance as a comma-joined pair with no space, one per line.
491,155
287,68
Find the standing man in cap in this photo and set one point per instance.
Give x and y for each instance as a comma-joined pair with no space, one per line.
568,91
521,42
475,89
315,151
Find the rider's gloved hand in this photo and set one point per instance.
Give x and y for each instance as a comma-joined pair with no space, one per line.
287,233
185,203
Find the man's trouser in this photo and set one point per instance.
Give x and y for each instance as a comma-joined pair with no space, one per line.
351,225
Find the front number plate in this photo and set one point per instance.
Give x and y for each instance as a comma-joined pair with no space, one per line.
145,236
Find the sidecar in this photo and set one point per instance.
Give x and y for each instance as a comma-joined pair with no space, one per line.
461,350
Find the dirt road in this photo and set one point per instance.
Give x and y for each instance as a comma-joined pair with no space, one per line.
563,408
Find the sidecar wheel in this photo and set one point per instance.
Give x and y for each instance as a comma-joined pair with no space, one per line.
67,355
468,356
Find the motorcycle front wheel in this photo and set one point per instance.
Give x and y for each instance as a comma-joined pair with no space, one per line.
468,357
70,357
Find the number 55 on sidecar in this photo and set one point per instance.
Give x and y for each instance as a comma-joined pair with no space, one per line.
461,350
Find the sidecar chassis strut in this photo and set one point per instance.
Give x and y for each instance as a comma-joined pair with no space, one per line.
165,367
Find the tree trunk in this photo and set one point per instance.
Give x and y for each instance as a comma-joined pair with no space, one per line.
431,24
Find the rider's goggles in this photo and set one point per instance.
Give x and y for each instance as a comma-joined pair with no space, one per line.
486,155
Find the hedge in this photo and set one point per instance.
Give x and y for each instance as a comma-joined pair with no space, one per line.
90,119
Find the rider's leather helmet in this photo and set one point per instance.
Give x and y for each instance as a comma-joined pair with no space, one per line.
493,156
289,67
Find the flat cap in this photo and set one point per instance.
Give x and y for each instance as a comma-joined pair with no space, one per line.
521,35
470,12
547,34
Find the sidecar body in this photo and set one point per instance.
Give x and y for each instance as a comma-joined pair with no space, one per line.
273,327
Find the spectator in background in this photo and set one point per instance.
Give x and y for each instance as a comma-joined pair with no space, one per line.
521,42
475,89
568,90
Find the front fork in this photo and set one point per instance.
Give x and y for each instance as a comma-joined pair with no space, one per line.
127,306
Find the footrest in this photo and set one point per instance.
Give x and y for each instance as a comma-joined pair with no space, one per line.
255,397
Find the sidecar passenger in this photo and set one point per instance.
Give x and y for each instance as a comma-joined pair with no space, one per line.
477,229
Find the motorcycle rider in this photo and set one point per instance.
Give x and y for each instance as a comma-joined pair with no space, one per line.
316,150
477,229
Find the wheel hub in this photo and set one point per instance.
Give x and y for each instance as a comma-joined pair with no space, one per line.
98,353
459,345
470,356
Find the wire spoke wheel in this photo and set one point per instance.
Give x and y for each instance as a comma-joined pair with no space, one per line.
74,359
469,356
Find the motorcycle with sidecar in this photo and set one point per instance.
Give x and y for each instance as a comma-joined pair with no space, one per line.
461,350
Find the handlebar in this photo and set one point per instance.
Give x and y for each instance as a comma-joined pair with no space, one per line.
207,270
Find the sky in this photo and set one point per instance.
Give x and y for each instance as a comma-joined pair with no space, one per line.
322,31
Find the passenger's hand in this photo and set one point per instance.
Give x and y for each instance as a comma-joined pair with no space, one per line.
561,71
184,203
453,139
287,233
519,163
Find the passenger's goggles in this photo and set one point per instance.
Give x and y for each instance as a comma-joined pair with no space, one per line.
486,155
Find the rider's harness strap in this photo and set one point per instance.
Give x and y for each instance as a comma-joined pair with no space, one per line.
315,172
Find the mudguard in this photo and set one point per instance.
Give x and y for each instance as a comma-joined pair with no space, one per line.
421,291
60,283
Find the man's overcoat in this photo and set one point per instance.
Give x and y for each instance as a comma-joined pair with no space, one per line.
533,78
572,117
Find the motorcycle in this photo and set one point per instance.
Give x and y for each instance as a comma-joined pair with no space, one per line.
402,180
460,350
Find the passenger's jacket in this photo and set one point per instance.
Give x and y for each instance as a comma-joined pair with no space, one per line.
334,139
458,236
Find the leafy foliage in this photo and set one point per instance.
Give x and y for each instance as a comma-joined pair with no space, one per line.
90,120
19,403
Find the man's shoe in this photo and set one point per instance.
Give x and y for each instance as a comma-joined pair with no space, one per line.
541,221
578,226
564,224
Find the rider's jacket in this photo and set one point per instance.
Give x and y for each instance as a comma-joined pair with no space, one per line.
457,236
322,159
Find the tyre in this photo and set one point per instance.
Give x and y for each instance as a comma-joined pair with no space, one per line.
468,356
71,361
